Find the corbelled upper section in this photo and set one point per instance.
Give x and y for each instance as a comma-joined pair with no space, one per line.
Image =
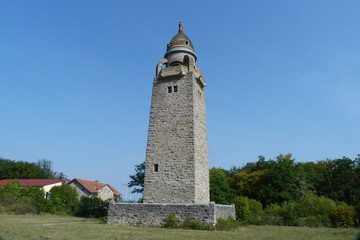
180,43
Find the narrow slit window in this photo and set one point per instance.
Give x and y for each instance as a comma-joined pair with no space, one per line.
169,89
175,89
156,167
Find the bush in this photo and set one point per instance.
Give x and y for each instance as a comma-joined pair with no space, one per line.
313,205
92,207
192,224
171,221
343,216
255,207
290,214
25,206
20,200
310,210
64,200
226,225
273,210
317,221
242,210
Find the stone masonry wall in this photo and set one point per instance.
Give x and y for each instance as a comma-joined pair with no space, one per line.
202,191
177,142
224,211
155,214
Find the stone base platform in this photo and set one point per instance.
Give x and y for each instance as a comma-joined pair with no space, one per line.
155,214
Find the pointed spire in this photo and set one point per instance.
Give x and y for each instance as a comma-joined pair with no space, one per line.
181,27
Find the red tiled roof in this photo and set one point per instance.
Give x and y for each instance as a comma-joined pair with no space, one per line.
94,186
32,182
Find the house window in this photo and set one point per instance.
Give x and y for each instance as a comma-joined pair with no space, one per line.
82,189
175,89
48,195
169,89
156,167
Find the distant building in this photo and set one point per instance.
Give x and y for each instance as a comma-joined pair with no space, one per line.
94,188
44,184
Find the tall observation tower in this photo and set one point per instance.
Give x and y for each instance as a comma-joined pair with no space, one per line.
176,170
177,150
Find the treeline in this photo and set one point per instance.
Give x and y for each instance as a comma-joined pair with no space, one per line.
42,169
284,192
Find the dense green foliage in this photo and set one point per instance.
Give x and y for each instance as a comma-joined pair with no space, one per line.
10,169
282,191
31,200
21,200
64,199
220,191
92,207
325,193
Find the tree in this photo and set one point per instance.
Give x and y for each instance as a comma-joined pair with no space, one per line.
273,181
340,179
248,184
137,180
220,190
10,169
64,199
92,207
281,180
47,170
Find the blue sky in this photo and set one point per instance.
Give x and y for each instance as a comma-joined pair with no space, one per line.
76,79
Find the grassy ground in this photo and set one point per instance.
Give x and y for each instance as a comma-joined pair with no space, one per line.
55,227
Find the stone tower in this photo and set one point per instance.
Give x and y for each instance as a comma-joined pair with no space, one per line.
176,170
177,151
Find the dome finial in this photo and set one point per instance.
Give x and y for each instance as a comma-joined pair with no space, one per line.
181,27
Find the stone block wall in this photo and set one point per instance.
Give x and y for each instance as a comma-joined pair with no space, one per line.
176,168
155,214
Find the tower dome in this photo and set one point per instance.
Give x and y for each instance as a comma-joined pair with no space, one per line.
180,50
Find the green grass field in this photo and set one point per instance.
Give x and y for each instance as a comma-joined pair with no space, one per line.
57,227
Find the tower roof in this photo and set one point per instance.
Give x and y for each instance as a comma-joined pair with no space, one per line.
180,43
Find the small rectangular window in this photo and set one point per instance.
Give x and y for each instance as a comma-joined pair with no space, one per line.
156,167
169,89
175,89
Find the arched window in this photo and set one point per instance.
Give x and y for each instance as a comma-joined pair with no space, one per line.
186,61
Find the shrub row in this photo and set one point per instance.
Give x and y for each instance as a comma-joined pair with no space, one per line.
310,210
223,225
